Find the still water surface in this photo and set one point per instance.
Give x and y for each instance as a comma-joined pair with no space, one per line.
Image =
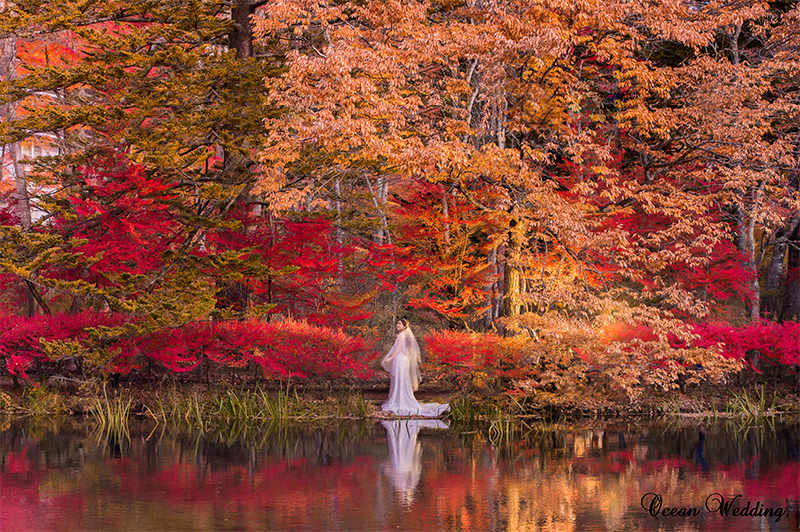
404,475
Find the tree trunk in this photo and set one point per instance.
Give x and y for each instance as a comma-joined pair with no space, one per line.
512,273
379,194
8,71
235,295
746,245
770,302
791,297
491,291
241,38
23,200
790,308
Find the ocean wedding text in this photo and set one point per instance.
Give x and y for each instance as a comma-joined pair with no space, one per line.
715,503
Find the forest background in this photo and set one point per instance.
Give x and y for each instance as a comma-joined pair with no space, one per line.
559,195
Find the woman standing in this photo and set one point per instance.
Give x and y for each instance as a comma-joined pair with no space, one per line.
402,362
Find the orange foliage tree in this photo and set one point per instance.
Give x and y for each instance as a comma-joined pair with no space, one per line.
612,146
598,177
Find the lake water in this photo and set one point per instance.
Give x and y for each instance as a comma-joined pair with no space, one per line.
406,475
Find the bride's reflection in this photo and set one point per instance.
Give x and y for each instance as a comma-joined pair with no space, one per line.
405,454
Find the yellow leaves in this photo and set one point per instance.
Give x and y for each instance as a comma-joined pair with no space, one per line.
498,99
396,13
604,170
284,200
365,84
295,16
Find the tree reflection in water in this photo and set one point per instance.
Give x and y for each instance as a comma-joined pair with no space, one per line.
403,475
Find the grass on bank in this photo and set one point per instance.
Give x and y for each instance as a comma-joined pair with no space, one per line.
113,414
500,420
202,409
756,404
285,402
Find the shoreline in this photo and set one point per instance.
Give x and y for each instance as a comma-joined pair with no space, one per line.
313,401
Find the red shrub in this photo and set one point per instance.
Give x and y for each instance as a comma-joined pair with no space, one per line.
21,337
287,348
479,359
775,342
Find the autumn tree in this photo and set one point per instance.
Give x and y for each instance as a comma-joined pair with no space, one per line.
455,273
177,89
552,120
724,101
155,110
576,172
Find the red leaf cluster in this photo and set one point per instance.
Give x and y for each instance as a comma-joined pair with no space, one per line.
775,342
21,337
478,359
123,218
282,349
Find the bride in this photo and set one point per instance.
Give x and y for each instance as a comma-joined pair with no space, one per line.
402,362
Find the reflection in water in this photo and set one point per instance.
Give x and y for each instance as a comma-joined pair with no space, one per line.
792,448
699,451
396,476
405,454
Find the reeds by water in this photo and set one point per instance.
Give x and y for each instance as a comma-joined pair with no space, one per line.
499,421
257,406
112,415
754,405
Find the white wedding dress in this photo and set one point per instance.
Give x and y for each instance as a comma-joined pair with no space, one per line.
402,362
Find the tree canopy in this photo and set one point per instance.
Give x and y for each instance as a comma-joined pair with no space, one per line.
603,178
